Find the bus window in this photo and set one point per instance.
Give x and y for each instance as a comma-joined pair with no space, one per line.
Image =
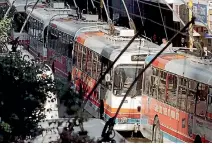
162,86
75,55
79,58
123,78
172,89
192,89
201,101
182,93
154,81
94,65
98,68
105,64
147,81
89,62
69,41
84,59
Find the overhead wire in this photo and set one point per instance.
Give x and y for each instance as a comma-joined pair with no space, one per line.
152,5
142,22
162,20
145,19
167,27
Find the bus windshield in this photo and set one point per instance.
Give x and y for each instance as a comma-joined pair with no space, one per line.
123,78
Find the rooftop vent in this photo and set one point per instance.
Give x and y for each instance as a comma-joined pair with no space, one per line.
58,5
89,17
124,32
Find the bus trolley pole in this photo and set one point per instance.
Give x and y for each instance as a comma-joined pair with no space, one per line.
8,10
25,22
111,122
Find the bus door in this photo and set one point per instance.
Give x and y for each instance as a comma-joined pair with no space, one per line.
105,86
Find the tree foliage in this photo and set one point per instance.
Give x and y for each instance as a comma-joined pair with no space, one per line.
22,97
5,26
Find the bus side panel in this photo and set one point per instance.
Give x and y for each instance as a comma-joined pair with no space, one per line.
87,84
173,122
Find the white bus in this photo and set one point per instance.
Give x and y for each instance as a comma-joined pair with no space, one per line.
37,29
61,38
94,50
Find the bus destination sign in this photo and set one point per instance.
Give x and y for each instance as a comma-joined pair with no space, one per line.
138,57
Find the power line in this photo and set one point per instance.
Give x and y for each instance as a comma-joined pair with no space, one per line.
145,19
152,5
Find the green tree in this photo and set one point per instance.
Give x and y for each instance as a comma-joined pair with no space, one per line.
22,97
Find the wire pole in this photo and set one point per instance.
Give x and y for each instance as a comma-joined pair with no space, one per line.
111,122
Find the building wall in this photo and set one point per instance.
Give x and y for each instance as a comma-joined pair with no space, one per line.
199,28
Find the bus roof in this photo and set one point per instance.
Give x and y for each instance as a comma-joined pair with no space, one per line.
71,25
44,14
101,43
20,4
190,67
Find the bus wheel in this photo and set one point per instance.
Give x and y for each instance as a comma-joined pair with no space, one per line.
156,132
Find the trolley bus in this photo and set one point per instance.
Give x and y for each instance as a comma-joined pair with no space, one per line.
61,38
176,103
94,49
93,52
38,26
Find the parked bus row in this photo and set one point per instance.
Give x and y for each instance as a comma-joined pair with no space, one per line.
171,102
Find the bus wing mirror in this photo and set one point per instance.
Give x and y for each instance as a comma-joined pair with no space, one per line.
107,77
